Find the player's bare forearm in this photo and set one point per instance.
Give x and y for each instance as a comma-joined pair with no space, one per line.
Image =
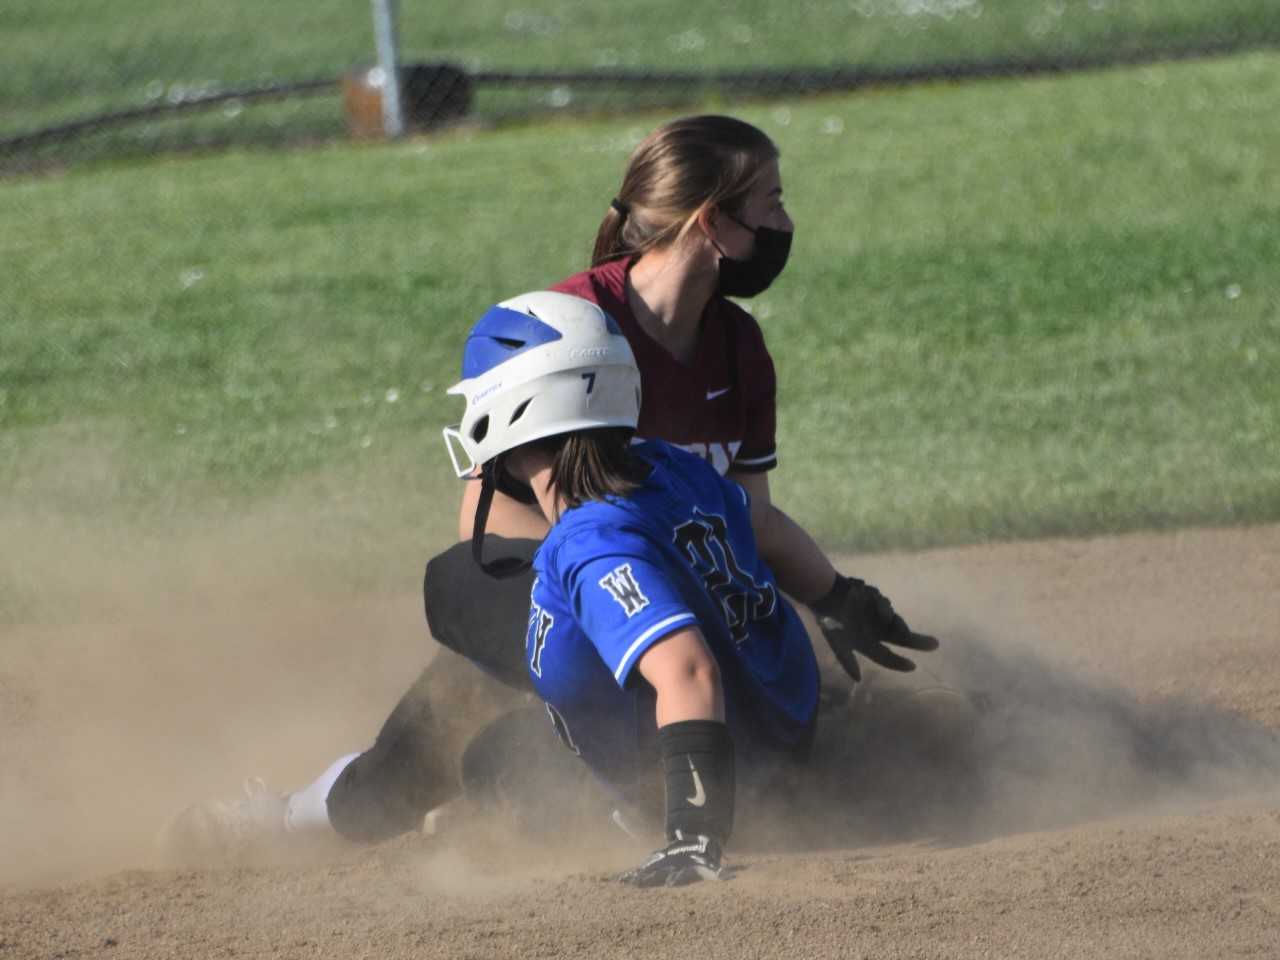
800,565
685,677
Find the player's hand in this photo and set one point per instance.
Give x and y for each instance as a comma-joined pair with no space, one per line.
855,617
683,861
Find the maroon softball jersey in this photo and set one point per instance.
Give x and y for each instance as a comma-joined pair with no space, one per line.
721,406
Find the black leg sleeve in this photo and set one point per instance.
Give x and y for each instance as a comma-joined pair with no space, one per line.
481,617
413,765
388,789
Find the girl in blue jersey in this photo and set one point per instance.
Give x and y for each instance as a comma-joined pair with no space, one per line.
657,636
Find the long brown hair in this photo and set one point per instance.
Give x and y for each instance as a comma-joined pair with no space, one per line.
676,171
593,464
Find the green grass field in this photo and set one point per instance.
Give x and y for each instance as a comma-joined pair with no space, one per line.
1015,309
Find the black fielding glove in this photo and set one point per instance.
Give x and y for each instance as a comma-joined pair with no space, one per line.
856,617
697,758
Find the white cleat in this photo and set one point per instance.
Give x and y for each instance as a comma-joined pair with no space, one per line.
222,833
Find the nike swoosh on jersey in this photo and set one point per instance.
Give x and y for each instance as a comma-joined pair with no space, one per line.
699,798
712,394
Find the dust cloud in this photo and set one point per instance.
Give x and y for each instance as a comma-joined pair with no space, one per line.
1029,744
147,669
1059,695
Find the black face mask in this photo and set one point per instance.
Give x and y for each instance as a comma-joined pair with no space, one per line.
746,278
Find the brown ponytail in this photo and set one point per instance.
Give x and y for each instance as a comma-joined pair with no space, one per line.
609,241
678,170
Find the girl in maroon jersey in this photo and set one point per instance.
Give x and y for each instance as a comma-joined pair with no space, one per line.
699,218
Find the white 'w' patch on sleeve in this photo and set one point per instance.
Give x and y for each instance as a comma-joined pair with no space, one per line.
622,586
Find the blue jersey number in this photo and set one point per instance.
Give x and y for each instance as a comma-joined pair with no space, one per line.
705,542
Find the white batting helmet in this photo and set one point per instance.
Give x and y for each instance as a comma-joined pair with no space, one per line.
539,365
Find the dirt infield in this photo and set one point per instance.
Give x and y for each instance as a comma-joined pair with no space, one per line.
1129,798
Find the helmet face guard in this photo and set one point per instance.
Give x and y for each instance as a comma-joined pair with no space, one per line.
539,365
452,437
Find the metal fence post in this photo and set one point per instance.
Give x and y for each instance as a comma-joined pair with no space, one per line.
384,32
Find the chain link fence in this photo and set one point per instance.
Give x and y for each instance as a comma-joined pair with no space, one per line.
87,79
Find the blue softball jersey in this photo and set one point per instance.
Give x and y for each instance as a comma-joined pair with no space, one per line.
615,577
